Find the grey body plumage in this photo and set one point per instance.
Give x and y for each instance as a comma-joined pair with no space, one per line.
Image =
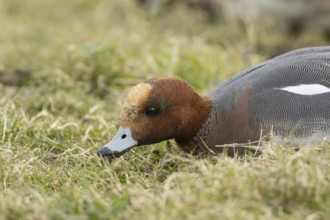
273,108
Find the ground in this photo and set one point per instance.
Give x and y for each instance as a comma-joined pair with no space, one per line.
64,66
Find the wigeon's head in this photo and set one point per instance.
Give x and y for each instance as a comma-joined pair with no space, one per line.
156,110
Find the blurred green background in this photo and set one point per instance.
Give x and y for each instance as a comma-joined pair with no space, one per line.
97,46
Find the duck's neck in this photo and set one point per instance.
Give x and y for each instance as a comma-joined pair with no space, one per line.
194,127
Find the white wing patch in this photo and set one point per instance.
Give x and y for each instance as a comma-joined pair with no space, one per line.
306,89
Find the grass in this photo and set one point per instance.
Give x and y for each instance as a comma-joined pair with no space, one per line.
63,68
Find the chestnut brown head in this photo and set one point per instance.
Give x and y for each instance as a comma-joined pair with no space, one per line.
158,110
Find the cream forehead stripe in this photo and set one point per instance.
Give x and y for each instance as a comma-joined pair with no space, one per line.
134,98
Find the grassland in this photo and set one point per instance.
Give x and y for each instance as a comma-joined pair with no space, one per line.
63,68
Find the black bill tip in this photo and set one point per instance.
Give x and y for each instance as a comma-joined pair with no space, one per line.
105,152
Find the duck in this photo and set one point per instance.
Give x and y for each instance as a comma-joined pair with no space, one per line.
288,95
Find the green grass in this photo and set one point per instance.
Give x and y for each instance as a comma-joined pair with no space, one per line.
64,66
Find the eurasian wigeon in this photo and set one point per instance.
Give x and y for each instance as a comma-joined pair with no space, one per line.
288,95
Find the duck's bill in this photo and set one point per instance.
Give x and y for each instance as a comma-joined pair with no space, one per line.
121,143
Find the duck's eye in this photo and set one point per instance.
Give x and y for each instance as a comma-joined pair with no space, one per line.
152,111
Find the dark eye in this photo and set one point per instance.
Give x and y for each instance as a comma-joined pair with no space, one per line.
152,111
